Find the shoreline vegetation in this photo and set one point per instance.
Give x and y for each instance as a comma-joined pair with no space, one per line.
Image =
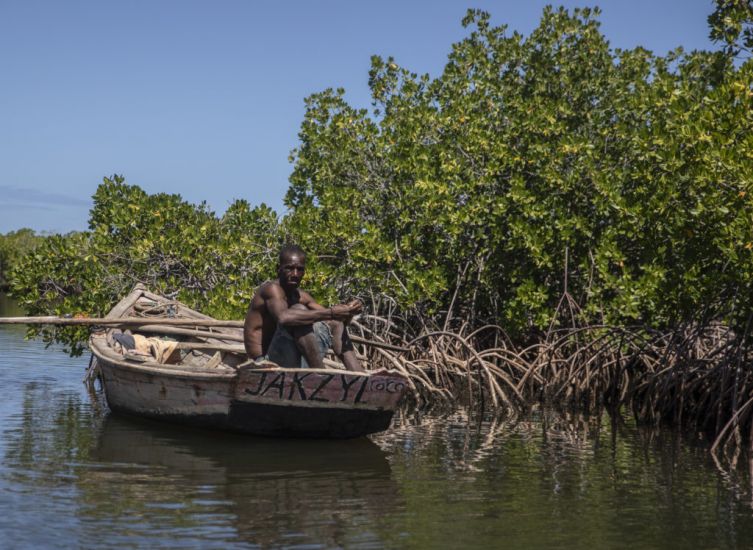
14,245
547,220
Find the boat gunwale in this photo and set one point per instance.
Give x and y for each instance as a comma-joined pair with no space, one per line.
227,382
103,352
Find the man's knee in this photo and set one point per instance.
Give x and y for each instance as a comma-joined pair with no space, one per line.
340,339
335,326
299,331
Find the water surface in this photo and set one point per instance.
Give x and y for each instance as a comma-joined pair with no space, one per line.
73,475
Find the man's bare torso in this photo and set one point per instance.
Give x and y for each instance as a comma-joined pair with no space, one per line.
260,325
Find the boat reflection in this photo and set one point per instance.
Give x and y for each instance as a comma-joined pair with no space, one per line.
265,490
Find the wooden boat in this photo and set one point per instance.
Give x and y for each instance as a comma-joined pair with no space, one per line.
208,381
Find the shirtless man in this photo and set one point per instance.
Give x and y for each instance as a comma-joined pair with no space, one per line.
286,326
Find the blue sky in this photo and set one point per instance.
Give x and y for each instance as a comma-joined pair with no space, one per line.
205,99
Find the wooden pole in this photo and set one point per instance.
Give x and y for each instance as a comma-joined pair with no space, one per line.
165,325
213,347
160,329
100,321
373,344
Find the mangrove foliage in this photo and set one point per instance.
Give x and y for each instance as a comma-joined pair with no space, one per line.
14,245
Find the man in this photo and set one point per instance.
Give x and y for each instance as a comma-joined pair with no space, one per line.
286,326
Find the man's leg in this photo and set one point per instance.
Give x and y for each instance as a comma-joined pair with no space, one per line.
307,342
283,350
343,347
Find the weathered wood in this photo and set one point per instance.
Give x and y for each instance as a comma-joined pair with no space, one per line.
221,390
375,344
130,321
127,303
234,338
212,347
160,329
154,322
164,321
240,350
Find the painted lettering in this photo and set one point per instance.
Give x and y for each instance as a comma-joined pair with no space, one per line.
346,385
278,382
258,388
389,385
297,379
361,390
395,387
326,380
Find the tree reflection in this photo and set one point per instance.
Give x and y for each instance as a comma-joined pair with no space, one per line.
433,480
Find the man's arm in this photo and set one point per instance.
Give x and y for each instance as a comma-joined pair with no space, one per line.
248,331
252,328
278,307
307,300
354,307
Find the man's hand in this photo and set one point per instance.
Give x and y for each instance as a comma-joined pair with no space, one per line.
345,312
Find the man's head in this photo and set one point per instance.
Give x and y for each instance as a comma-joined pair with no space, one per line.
291,266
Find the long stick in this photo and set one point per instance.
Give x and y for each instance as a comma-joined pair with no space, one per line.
119,321
373,344
159,329
214,347
155,322
156,328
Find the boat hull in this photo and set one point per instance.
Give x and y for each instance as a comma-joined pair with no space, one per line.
297,421
217,389
268,402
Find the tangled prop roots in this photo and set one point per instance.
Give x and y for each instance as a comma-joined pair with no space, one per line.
696,376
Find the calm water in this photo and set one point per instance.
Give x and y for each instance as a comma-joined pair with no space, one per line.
72,475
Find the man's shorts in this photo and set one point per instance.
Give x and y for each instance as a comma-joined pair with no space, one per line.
283,350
